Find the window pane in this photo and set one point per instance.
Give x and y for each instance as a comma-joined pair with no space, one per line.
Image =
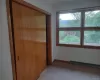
70,19
92,38
69,37
92,18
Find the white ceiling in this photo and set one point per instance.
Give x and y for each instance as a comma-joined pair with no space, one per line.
54,1
57,1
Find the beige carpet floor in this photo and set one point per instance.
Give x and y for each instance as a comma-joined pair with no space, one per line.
58,73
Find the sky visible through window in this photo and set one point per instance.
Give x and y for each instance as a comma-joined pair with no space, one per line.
68,16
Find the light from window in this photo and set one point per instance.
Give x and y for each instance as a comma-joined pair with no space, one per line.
70,19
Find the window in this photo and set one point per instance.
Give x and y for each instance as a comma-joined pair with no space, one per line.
69,37
70,19
79,28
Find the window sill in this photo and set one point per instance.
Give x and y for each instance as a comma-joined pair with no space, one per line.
79,46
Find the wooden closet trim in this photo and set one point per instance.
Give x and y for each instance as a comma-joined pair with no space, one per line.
11,33
31,6
11,39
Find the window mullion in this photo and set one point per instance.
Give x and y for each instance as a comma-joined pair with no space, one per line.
57,27
82,27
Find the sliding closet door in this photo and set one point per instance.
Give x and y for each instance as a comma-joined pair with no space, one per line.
30,41
40,41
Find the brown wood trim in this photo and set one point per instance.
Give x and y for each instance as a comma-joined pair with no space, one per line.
56,60
18,0
57,20
11,39
82,27
57,37
11,34
78,28
69,29
78,63
91,28
79,46
49,40
91,47
31,6
57,27
69,45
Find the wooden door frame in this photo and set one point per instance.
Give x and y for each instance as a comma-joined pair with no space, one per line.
11,32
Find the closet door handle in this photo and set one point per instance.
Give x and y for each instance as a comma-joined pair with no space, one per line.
17,58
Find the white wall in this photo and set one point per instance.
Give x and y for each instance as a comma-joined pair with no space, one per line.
43,5
77,54
6,58
0,41
76,4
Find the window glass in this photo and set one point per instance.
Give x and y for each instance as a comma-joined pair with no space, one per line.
92,38
92,18
71,31
70,19
69,37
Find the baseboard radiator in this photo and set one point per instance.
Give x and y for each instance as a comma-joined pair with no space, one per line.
80,63
84,64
